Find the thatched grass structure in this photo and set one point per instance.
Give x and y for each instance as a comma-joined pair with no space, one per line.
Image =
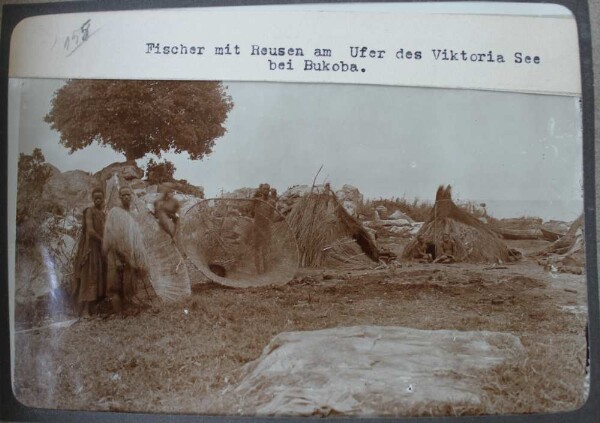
327,235
474,241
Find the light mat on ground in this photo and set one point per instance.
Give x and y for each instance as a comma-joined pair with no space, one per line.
360,370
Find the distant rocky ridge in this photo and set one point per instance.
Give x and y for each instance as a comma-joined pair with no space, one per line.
69,192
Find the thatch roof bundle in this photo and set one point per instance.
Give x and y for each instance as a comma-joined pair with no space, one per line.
474,241
328,235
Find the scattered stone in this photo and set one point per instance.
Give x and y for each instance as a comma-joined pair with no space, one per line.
129,171
351,198
399,215
348,196
575,270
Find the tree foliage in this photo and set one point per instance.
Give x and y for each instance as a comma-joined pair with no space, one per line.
32,174
140,117
158,173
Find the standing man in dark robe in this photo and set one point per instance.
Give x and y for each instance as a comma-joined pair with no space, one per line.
89,273
262,212
127,260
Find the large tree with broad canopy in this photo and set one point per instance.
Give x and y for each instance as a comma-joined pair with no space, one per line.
141,117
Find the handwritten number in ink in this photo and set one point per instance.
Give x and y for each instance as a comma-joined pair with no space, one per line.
78,37
85,30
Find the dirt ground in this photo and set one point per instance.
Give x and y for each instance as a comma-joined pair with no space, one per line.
180,358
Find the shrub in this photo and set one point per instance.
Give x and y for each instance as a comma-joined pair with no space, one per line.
159,172
32,174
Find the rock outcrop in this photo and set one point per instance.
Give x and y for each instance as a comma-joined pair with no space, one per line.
69,191
351,198
348,196
240,193
399,215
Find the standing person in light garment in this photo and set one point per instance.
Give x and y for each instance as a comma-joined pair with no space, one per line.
127,281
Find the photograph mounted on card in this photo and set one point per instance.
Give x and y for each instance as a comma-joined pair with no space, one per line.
310,210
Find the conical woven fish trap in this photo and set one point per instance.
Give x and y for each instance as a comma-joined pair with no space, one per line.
239,242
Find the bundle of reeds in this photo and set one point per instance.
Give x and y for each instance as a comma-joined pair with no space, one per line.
326,234
474,241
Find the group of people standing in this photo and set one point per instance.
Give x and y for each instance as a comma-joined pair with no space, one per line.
111,263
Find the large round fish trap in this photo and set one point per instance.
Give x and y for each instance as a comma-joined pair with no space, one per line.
239,242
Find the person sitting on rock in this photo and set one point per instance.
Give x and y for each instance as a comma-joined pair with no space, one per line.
262,192
420,251
166,211
447,249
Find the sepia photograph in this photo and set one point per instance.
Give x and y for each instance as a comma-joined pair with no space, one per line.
282,249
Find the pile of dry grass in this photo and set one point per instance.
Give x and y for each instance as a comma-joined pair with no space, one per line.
474,241
538,383
327,235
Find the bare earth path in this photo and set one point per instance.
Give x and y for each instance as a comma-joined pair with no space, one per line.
183,357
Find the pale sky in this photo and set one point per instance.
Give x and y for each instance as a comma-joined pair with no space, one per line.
520,153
